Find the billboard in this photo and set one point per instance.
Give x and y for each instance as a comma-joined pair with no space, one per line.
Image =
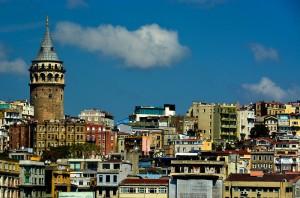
76,195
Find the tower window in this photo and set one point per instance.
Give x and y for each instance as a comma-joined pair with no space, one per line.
50,76
43,77
50,95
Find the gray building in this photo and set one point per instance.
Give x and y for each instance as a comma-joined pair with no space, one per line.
32,179
109,175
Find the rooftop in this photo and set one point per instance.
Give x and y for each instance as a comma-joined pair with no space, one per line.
263,178
138,181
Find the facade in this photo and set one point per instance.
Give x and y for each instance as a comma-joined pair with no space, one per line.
9,179
60,180
9,117
84,180
215,121
47,82
97,117
143,112
109,175
263,108
4,140
101,136
246,120
295,123
32,179
194,175
227,121
283,121
271,123
262,161
260,185
205,115
59,133
144,188
21,135
286,156
26,109
187,145
83,173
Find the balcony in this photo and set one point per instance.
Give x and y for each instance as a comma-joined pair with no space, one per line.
228,119
228,126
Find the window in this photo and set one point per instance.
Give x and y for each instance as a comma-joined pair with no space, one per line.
106,166
107,178
132,190
115,178
116,166
124,190
162,190
141,190
80,182
152,190
100,178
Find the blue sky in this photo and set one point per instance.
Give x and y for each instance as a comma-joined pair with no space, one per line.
119,54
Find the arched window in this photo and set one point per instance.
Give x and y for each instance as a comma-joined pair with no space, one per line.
49,77
43,77
56,77
36,77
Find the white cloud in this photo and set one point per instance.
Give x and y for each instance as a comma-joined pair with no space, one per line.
261,52
267,88
17,66
147,47
71,4
14,66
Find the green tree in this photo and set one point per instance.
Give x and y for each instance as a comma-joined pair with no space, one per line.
259,130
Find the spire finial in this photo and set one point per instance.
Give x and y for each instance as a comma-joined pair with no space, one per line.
47,21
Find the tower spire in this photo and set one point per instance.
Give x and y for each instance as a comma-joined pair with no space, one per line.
47,52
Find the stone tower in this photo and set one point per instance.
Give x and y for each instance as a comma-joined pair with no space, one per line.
47,82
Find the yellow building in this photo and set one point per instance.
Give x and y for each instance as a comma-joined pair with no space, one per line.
9,178
295,123
59,133
206,145
289,109
144,188
60,181
258,184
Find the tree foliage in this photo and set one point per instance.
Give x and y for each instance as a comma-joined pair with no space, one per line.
73,151
259,131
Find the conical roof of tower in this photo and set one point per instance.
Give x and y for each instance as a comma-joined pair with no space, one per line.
47,51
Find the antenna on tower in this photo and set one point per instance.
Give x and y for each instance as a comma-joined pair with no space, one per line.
47,21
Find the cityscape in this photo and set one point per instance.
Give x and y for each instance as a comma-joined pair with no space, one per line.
164,134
